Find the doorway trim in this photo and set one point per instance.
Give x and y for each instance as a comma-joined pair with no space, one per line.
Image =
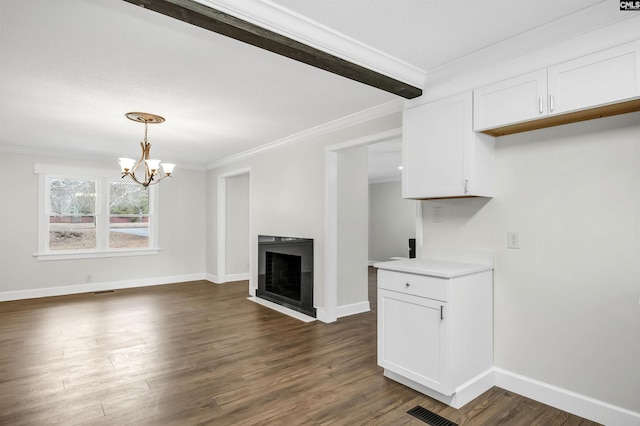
330,311
221,228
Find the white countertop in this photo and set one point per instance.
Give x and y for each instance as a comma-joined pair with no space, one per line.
434,267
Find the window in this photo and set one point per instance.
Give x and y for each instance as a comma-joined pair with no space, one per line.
128,215
93,213
72,214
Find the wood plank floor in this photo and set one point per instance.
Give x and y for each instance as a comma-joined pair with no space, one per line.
197,353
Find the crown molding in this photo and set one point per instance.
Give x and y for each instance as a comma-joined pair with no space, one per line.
570,29
74,155
373,113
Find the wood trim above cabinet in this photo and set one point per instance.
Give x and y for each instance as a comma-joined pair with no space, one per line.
572,117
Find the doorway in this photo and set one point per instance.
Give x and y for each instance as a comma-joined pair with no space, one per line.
332,242
234,226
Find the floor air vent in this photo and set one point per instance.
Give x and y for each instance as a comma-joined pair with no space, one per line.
430,417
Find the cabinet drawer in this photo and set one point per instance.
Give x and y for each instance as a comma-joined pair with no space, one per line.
417,285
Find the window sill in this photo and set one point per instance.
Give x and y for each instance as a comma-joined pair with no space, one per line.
93,254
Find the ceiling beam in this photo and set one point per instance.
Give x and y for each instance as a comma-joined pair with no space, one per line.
194,13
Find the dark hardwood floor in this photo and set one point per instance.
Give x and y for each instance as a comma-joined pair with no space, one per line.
197,353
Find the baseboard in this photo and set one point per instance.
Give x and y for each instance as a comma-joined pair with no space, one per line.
563,399
353,309
228,278
571,402
93,287
463,394
321,315
282,309
238,277
343,311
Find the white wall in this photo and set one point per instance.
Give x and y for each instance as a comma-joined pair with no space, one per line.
181,219
392,221
567,309
237,221
352,228
287,194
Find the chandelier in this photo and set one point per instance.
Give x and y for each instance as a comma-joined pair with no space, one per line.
152,172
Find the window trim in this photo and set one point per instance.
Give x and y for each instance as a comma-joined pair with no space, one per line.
102,177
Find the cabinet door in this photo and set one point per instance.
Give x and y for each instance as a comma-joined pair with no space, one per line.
433,149
413,337
511,101
597,79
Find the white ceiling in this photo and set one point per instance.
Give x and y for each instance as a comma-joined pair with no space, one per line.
71,69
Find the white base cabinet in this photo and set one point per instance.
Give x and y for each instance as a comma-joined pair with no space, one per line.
414,338
435,333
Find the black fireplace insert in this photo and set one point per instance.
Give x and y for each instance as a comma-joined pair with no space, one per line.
285,272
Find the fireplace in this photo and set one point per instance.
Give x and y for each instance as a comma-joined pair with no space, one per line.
285,272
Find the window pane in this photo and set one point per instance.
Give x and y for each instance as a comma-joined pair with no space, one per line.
128,215
72,197
72,206
129,231
128,199
72,232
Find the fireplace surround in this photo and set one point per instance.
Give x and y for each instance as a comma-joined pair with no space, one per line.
285,272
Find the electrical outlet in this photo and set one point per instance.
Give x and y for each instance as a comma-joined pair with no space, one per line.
513,240
437,214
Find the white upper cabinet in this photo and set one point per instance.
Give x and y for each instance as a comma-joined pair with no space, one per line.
442,156
597,79
511,101
593,81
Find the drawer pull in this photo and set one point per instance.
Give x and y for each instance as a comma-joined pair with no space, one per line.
441,312
407,284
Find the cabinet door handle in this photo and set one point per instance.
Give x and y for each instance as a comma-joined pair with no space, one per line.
407,284
550,103
441,312
466,186
540,104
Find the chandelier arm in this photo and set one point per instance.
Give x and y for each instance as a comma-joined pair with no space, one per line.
133,177
158,180
154,180
151,177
